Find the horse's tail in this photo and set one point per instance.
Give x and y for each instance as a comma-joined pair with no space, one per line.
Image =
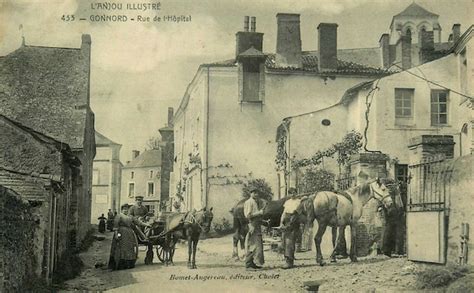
309,209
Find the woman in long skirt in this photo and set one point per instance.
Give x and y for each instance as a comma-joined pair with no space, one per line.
124,250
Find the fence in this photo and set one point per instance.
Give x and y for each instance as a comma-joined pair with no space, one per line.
345,182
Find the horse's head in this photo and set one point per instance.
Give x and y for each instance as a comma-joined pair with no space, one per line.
298,212
204,219
381,193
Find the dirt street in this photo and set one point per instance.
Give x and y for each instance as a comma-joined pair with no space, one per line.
219,273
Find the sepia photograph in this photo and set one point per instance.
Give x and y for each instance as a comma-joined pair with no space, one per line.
236,146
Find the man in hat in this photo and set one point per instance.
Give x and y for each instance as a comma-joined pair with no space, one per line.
253,240
138,211
290,225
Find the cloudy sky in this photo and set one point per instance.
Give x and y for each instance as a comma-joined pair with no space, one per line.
140,69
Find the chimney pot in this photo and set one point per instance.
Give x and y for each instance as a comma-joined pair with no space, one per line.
327,46
288,47
253,24
170,116
135,154
246,24
456,32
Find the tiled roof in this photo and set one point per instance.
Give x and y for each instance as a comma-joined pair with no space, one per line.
310,63
46,89
149,158
28,187
102,140
416,10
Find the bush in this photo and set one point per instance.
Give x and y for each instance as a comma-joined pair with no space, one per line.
264,190
434,277
222,227
315,180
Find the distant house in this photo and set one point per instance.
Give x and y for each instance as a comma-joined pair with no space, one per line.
106,174
44,174
142,176
48,89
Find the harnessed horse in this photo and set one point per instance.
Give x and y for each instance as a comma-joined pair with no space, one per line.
337,210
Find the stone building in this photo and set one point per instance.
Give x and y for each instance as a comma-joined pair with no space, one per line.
48,90
106,175
224,128
44,174
142,177
167,161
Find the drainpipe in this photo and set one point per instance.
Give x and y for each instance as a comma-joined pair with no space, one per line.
206,170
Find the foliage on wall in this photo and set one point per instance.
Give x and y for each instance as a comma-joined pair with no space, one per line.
315,180
351,144
282,155
264,189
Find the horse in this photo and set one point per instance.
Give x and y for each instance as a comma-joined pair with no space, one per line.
189,228
339,210
271,218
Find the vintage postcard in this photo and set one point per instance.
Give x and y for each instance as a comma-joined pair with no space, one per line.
236,146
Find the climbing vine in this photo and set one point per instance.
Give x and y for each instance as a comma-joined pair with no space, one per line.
350,144
282,155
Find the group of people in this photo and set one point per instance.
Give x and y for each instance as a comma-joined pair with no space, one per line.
106,223
290,225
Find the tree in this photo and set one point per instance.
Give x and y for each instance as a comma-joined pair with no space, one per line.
264,190
154,143
315,180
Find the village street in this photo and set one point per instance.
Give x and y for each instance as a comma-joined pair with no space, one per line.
370,274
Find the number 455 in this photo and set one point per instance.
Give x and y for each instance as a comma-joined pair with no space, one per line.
68,17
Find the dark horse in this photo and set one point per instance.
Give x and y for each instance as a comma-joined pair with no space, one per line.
189,227
271,218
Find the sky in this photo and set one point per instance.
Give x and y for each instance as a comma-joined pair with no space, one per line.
140,69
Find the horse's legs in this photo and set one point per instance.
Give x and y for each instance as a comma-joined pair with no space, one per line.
235,249
334,236
317,240
195,243
353,253
190,251
335,242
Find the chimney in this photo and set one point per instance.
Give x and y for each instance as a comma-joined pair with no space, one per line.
135,154
403,52
427,46
385,48
288,47
253,24
170,116
456,32
245,39
327,46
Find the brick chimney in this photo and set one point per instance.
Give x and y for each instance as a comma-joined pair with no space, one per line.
170,116
327,46
288,47
385,48
403,52
426,46
456,32
247,39
135,154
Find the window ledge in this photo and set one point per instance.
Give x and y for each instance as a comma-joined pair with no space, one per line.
441,125
251,102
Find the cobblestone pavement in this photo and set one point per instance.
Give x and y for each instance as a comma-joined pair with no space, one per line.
218,272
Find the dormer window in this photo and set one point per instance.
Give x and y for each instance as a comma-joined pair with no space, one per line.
251,76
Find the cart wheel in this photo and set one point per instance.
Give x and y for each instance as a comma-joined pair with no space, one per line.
160,252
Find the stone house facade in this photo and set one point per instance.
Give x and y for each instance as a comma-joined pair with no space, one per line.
44,175
224,128
142,177
106,177
48,90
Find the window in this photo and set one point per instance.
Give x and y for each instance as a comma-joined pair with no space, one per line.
439,107
151,188
404,103
251,80
131,189
151,174
132,174
95,177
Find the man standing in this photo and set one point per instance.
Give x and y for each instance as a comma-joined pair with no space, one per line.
253,240
290,224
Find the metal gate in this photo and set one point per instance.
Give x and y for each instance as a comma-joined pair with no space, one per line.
427,214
